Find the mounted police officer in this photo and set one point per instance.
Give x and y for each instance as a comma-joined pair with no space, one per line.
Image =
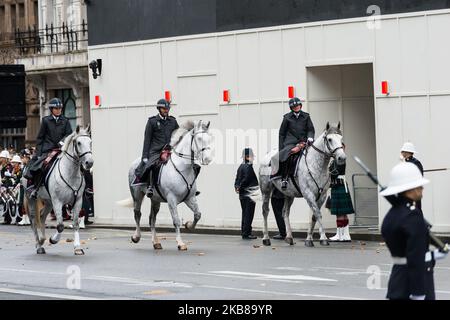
54,129
407,236
296,131
158,132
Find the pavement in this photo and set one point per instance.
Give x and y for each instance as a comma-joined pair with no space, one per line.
215,267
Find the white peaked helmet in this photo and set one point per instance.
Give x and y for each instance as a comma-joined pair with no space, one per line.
404,176
5,154
408,147
16,159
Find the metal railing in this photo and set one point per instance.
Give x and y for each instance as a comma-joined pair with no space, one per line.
52,39
366,201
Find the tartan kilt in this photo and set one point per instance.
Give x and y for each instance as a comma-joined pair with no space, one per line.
340,202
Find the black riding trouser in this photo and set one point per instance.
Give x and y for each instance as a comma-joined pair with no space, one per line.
248,211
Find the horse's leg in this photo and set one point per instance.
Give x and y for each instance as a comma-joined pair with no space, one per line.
193,205
316,217
176,223
44,213
265,212
34,225
137,199
153,212
77,249
286,210
58,209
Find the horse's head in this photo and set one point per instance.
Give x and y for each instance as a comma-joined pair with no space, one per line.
333,143
201,142
82,147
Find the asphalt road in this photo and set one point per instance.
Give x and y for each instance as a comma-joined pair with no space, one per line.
213,267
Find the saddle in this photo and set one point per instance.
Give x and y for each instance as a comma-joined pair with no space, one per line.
48,161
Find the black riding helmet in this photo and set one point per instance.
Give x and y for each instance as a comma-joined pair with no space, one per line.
163,103
294,102
55,103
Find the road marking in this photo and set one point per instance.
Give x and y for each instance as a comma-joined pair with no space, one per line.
284,293
46,295
237,277
263,276
349,269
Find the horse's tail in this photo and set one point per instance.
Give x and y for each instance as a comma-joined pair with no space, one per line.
254,193
128,203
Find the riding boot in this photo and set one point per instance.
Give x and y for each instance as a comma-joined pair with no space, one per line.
285,168
35,188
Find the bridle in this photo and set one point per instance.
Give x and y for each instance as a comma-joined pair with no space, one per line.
76,159
332,152
195,155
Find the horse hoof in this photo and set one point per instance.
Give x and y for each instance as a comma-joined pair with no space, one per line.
79,252
135,240
182,248
290,241
189,225
40,251
309,243
158,246
52,241
324,243
266,242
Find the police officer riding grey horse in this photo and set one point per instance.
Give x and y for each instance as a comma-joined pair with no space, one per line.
296,131
158,132
54,129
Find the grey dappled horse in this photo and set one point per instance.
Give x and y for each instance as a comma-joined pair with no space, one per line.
191,144
65,186
312,178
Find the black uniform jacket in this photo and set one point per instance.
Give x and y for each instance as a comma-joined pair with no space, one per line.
158,132
407,236
292,131
51,133
245,178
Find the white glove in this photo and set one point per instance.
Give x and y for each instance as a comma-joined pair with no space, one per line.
413,297
310,140
7,174
438,255
61,144
145,160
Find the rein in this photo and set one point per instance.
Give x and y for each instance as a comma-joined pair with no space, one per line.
327,155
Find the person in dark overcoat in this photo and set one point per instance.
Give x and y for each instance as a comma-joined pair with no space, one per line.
245,179
54,129
296,131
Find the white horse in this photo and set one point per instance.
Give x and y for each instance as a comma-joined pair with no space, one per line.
64,184
311,181
191,145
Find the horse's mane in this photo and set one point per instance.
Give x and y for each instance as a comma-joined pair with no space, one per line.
178,134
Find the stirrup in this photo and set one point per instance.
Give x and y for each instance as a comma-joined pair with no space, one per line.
284,184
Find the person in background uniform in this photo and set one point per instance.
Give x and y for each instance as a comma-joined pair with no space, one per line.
340,201
296,130
245,179
54,129
277,201
4,163
25,157
407,154
407,237
158,132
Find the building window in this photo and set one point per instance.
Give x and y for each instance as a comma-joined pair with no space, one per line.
69,105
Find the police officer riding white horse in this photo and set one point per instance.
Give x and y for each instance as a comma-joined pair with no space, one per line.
302,163
169,165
